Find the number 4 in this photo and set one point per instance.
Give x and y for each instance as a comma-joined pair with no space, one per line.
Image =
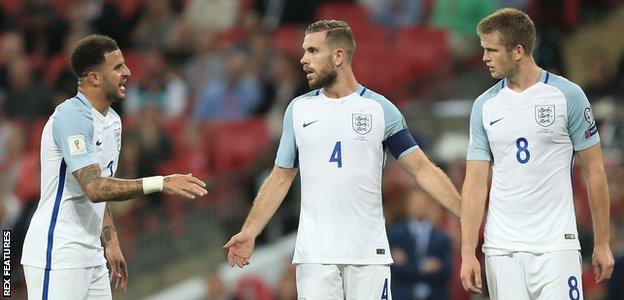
336,155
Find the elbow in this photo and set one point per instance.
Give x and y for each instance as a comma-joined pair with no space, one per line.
93,195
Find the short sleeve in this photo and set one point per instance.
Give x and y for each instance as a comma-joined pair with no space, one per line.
73,134
397,137
581,124
287,156
478,145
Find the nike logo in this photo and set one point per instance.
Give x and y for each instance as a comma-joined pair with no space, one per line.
309,123
492,122
98,143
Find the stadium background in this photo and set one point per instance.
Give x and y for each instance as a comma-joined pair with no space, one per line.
210,81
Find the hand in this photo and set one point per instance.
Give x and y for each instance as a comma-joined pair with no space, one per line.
431,265
399,256
184,185
471,274
239,248
602,262
119,270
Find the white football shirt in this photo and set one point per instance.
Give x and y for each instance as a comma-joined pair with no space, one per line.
530,138
338,145
65,230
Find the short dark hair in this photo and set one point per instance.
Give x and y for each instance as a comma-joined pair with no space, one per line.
336,33
514,26
89,53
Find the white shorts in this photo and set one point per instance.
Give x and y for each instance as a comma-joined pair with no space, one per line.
79,284
524,275
350,282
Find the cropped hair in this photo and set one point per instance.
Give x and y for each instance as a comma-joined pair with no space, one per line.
514,27
89,53
337,33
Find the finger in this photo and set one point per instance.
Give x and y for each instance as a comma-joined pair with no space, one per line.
233,241
477,277
185,194
467,283
596,268
197,181
230,259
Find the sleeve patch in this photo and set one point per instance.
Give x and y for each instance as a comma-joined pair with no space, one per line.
591,131
77,144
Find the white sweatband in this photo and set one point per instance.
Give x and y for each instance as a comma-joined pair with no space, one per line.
153,184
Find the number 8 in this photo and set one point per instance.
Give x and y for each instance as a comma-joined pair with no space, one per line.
523,147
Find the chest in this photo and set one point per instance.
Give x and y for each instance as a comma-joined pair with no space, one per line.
107,145
518,120
361,125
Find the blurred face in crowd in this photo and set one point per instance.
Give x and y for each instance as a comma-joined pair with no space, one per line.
114,76
501,63
317,61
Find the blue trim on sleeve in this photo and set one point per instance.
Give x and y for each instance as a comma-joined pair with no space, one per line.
400,142
55,210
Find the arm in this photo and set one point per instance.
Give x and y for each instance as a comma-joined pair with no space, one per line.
267,201
119,270
474,194
431,179
100,189
596,182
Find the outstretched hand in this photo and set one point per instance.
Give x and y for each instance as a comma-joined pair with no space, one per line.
240,248
185,185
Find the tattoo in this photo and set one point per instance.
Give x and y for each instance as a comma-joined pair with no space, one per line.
100,189
109,227
107,233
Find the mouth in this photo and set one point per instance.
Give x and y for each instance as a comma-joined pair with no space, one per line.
308,73
122,86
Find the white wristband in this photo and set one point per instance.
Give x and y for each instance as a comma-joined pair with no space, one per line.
153,184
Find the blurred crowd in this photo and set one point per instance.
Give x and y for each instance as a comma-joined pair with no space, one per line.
212,78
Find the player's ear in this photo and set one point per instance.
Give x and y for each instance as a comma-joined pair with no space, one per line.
94,78
339,56
518,52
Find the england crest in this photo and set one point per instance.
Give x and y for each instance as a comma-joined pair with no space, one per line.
545,114
362,123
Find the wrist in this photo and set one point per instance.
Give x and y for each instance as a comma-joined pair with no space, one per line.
153,184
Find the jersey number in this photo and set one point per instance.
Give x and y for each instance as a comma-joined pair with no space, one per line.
110,168
573,292
384,291
523,155
336,155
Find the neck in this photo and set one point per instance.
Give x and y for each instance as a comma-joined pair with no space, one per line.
527,75
97,99
345,85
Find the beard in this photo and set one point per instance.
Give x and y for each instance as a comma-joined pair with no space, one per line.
111,91
326,77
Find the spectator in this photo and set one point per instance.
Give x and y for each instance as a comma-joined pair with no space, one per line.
159,87
156,24
235,96
214,15
394,14
27,98
421,252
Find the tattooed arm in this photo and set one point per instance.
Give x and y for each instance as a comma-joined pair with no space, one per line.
100,189
116,261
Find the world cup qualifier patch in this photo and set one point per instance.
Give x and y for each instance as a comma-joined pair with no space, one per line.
362,123
545,115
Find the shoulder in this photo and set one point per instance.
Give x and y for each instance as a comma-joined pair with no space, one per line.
569,89
377,97
74,110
